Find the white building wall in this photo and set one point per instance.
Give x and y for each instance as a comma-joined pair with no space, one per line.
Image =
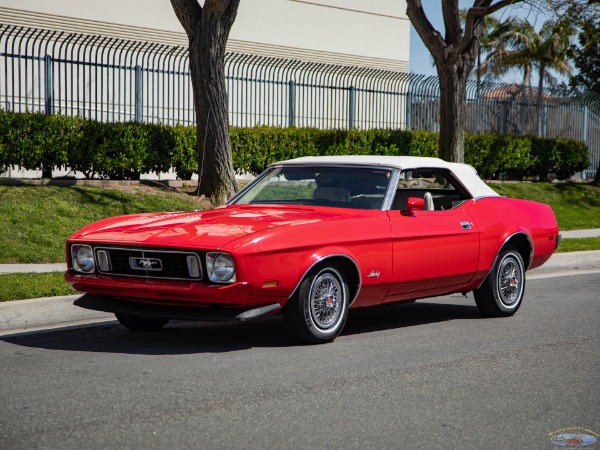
349,32
373,34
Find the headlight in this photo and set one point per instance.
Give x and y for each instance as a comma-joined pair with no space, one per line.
220,267
82,258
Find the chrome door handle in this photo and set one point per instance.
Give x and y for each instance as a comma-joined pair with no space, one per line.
465,225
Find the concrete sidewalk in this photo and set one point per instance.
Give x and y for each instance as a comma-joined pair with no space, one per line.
576,234
33,268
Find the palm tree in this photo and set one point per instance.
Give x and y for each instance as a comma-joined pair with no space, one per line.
506,46
490,42
518,45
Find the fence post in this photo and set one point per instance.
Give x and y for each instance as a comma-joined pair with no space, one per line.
138,93
408,118
584,139
545,122
292,103
477,112
503,113
585,124
49,101
351,106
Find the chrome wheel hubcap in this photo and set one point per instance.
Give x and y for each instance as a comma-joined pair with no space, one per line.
326,300
510,281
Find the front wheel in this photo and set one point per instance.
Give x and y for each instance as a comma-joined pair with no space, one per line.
318,312
141,323
501,293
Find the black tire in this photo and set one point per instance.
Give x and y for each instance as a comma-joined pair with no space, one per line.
141,323
501,294
317,313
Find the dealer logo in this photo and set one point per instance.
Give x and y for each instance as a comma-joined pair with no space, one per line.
146,264
573,437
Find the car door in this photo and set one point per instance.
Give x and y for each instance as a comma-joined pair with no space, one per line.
432,250
437,249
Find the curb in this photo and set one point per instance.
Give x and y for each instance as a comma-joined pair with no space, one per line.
577,234
25,315
33,268
29,315
571,260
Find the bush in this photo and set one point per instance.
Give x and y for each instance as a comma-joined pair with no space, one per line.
563,157
125,150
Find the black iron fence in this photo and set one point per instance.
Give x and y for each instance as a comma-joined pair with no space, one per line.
111,79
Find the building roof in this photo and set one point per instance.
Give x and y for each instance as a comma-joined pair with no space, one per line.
514,91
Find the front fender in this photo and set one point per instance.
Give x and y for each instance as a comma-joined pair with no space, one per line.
368,268
335,256
280,273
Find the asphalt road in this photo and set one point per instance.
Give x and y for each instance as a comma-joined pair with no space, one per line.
431,374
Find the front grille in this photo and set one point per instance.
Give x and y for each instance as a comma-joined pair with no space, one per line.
147,263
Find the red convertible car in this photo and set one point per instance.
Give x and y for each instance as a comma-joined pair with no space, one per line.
312,237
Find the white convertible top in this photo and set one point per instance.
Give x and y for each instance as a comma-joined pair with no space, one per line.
464,172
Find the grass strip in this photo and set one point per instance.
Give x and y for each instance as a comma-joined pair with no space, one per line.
17,286
579,244
35,221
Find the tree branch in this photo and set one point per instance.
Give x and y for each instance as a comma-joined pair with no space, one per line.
483,8
230,13
431,37
451,21
482,11
189,13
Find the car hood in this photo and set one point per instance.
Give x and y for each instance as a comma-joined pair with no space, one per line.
203,229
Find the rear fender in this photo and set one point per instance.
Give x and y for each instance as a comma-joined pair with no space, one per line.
524,245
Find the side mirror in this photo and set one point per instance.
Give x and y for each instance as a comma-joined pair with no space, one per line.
414,204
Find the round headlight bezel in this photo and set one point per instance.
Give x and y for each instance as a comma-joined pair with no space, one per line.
82,258
220,267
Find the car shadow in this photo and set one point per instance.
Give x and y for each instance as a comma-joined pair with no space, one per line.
179,338
402,315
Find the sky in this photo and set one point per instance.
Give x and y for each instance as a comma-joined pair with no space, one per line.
420,59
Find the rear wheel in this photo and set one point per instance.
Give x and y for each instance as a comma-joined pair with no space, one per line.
141,323
502,291
318,312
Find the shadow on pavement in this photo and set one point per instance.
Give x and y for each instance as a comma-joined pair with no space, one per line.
180,337
401,315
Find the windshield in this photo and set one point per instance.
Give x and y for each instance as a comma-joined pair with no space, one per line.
344,187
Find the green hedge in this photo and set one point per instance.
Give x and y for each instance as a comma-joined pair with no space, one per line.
124,150
96,149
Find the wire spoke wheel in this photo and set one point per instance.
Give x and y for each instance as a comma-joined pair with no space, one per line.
325,300
318,311
501,294
509,281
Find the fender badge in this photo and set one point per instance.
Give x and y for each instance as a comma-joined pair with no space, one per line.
374,274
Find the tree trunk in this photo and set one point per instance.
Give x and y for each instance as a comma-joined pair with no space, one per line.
455,54
207,28
453,98
216,178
